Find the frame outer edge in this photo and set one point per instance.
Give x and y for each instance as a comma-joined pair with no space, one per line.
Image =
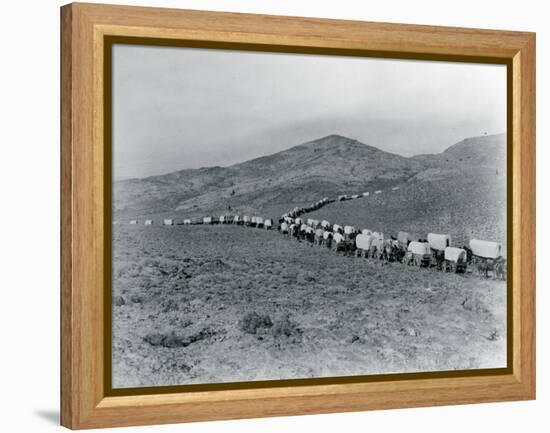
528,220
67,404
79,408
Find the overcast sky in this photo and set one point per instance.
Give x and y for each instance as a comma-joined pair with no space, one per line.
176,108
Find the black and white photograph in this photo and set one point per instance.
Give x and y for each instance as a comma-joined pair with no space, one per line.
283,216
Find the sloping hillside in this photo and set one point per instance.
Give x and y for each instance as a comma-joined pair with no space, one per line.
327,166
461,191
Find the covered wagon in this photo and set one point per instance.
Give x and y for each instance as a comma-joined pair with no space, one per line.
284,227
348,230
354,196
363,243
187,221
325,224
366,194
337,228
403,238
207,220
342,197
486,249
168,222
419,253
455,259
378,192
487,257
133,222
338,238
148,222
246,220
268,224
259,222
439,242
237,219
299,221
378,235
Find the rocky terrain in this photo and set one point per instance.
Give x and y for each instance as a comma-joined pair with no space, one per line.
210,304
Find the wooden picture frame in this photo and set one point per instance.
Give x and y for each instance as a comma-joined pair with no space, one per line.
85,186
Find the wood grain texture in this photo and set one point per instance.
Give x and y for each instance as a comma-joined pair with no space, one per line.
84,26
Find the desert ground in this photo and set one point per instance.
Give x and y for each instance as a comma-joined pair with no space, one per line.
224,303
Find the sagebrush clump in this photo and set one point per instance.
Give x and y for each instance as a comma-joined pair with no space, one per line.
254,322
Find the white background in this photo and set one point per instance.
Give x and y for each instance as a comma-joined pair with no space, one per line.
29,240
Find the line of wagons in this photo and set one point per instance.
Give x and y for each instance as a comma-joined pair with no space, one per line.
484,257
249,221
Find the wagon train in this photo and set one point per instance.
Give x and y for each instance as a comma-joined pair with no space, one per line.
484,258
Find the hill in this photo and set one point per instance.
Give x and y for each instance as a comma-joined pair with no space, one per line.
461,191
328,166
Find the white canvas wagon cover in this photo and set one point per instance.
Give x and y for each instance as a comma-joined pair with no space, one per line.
299,221
148,222
454,254
486,249
284,227
168,222
377,242
338,238
366,194
403,237
363,242
259,220
236,218
378,235
349,230
207,220
336,228
326,235
419,248
268,222
187,221
325,223
439,242
133,222
246,219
